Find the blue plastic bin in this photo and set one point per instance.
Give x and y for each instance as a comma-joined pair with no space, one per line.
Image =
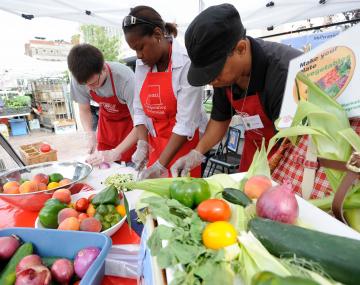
66,244
18,127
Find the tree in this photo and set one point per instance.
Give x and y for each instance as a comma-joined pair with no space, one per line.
99,37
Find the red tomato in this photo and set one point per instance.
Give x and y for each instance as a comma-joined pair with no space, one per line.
213,210
45,147
81,205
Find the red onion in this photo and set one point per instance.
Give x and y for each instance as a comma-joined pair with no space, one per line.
83,260
35,275
28,262
8,246
278,204
62,270
104,165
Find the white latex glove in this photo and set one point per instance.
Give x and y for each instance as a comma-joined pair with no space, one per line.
154,171
99,157
91,142
186,163
141,155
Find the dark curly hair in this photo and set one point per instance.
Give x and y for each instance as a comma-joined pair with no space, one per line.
152,16
85,60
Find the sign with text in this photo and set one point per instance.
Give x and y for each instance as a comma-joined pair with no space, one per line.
333,67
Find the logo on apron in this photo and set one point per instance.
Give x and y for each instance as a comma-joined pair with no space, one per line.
111,108
153,97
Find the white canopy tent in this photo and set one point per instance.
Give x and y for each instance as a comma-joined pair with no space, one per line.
256,14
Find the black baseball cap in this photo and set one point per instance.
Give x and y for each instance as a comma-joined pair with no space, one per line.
209,40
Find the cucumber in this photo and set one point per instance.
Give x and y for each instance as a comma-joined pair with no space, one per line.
338,256
236,196
8,276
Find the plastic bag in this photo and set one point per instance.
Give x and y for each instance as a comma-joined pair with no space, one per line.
123,261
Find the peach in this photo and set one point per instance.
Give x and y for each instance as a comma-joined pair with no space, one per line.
41,178
257,185
90,225
11,187
70,224
64,182
82,217
67,213
42,186
63,195
28,187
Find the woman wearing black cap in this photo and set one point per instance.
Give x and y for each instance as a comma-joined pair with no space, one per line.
248,76
167,109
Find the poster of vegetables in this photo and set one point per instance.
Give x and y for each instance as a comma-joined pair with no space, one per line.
333,67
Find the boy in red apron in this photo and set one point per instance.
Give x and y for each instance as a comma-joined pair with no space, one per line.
248,76
167,109
111,85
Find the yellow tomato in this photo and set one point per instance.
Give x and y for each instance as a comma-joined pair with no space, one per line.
52,185
218,235
121,210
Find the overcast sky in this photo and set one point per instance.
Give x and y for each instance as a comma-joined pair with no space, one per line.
15,31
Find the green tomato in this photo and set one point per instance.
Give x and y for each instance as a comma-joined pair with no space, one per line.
111,208
116,217
109,218
99,217
105,226
102,210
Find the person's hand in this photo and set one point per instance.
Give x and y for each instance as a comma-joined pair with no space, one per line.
91,142
186,163
141,155
154,171
99,157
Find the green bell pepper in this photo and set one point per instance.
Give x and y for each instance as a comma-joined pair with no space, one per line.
48,215
109,195
190,193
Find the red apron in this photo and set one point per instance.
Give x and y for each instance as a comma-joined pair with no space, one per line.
247,107
115,121
160,105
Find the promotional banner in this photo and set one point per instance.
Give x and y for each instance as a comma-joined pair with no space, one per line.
333,66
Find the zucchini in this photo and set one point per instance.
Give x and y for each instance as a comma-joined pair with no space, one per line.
338,256
8,276
236,196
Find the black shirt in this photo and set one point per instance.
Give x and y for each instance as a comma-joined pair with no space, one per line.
269,69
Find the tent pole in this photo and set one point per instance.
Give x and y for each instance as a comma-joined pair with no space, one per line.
311,29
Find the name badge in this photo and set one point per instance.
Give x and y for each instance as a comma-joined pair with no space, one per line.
252,122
